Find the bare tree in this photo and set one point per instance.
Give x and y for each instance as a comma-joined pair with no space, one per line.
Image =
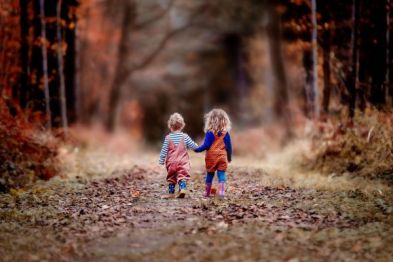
124,69
45,64
387,75
281,99
121,71
326,69
314,43
24,53
354,77
63,102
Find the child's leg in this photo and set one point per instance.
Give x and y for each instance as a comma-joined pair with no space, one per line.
171,179
221,182
182,188
209,181
209,177
171,188
182,184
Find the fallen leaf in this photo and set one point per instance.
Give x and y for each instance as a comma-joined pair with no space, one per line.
135,194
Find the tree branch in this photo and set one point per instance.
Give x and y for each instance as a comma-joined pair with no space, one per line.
155,18
165,40
158,48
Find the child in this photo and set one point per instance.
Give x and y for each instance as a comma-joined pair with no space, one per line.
218,148
175,156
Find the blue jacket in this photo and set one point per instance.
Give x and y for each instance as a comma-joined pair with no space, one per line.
209,139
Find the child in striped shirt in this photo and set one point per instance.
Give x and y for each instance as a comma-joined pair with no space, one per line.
175,156
218,148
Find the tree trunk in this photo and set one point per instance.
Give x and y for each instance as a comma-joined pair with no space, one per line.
352,83
378,60
121,72
76,83
280,106
387,75
314,42
326,70
20,94
45,65
308,107
82,55
63,102
71,59
363,59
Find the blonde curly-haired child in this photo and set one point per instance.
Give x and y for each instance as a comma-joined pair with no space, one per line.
175,156
218,148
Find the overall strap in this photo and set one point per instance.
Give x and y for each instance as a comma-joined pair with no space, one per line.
222,136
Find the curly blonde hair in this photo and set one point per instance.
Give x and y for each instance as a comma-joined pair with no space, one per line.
217,120
176,122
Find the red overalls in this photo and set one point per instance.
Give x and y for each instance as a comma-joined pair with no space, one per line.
177,162
216,155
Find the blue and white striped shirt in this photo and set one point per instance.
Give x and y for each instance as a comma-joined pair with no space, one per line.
176,138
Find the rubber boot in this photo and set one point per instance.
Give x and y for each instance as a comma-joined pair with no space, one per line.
221,189
171,191
208,188
182,189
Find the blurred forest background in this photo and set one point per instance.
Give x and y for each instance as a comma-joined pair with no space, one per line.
86,88
128,64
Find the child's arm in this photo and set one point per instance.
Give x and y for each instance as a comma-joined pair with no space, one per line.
228,146
209,139
164,152
189,142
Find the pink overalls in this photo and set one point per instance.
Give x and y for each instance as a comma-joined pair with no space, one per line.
177,162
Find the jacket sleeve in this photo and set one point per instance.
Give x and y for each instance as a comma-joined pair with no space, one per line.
209,139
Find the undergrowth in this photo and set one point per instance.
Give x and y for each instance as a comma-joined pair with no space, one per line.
363,149
26,153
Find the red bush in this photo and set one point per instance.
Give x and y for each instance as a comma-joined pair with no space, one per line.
25,152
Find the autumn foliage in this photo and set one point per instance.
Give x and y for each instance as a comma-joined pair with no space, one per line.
25,155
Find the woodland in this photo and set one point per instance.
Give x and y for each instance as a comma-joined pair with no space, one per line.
86,89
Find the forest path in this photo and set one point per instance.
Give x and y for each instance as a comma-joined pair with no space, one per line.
254,222
121,216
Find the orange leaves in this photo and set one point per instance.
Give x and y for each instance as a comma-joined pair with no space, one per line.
281,9
136,194
10,44
63,47
25,155
71,25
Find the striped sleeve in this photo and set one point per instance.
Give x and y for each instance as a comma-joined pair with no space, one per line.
164,152
189,142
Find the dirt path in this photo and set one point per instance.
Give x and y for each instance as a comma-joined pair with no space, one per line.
123,218
254,222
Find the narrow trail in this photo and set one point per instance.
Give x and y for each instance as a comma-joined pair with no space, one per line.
198,228
123,217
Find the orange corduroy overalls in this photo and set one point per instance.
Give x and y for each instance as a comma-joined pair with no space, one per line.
216,155
177,162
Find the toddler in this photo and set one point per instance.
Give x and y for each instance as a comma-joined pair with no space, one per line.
218,148
175,156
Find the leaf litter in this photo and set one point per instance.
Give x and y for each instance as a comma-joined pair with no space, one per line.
123,217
